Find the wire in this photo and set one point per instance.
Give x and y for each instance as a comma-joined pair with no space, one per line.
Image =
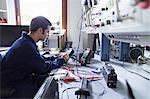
103,90
133,71
144,70
80,31
84,72
134,62
77,96
80,19
138,74
66,90
79,38
99,94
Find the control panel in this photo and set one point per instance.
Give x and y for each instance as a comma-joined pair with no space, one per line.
105,13
118,12
121,20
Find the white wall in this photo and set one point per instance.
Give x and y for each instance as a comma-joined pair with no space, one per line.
74,15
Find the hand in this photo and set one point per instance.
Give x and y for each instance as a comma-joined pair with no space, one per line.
65,56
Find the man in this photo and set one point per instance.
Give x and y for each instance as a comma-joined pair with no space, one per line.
23,69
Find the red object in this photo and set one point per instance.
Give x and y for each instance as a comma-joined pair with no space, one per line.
93,78
68,79
69,69
4,21
144,4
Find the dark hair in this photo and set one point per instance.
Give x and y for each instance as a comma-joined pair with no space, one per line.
38,22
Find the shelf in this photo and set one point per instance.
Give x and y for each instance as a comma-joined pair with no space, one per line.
131,33
3,23
135,38
57,32
120,28
3,11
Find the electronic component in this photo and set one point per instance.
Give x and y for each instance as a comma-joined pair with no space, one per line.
105,49
134,53
114,50
69,51
10,33
123,51
97,70
68,44
84,57
83,91
110,76
46,43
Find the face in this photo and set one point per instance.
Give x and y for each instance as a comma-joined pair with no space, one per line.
45,33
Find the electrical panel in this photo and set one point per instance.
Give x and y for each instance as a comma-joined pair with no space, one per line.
105,13
121,12
121,20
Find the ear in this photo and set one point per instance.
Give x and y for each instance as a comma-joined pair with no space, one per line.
40,30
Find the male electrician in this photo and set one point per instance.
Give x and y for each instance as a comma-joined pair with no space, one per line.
23,69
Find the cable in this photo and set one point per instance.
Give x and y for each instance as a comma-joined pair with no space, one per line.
134,72
98,83
135,62
80,30
143,60
74,58
84,72
144,70
66,90
103,90
99,94
80,19
78,97
79,37
138,74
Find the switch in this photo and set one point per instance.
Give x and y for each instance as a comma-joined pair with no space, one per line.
102,24
113,21
103,9
106,8
109,36
108,22
113,13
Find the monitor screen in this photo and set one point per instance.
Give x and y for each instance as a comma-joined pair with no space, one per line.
9,33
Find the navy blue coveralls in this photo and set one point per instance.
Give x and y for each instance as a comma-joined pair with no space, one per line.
24,69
